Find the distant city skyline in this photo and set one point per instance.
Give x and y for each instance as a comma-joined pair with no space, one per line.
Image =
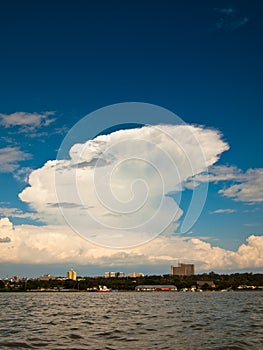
134,195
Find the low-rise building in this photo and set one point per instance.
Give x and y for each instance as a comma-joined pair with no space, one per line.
156,288
135,274
46,277
120,274
113,274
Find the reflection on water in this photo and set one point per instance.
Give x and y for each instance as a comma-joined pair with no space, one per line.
131,321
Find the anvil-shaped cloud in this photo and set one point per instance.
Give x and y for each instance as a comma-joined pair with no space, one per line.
123,189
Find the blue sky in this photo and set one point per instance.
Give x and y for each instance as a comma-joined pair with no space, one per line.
201,60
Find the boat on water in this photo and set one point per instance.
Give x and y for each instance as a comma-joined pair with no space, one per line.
103,289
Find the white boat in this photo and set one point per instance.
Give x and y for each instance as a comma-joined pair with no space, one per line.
103,289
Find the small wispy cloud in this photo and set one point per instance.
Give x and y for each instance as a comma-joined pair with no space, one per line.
229,19
252,210
223,211
44,134
244,186
10,158
248,187
240,22
27,122
22,174
17,213
254,224
226,11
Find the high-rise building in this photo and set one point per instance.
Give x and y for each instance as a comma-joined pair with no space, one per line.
183,270
72,275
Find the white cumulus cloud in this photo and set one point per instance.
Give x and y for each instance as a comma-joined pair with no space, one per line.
122,182
58,244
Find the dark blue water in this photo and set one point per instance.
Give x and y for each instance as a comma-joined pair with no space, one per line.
131,320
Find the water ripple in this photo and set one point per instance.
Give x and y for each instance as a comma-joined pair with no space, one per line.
81,321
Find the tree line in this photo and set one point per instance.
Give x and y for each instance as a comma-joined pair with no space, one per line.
221,281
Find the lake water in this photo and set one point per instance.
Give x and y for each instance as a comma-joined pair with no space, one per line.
163,320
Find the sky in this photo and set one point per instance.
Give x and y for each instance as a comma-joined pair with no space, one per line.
131,136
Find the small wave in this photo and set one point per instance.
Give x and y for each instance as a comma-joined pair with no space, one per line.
40,344
75,336
15,345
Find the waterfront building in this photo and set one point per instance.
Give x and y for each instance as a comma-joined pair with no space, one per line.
156,288
135,274
183,270
120,274
46,277
72,275
113,274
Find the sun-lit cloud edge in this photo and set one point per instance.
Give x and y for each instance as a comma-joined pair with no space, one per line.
29,244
